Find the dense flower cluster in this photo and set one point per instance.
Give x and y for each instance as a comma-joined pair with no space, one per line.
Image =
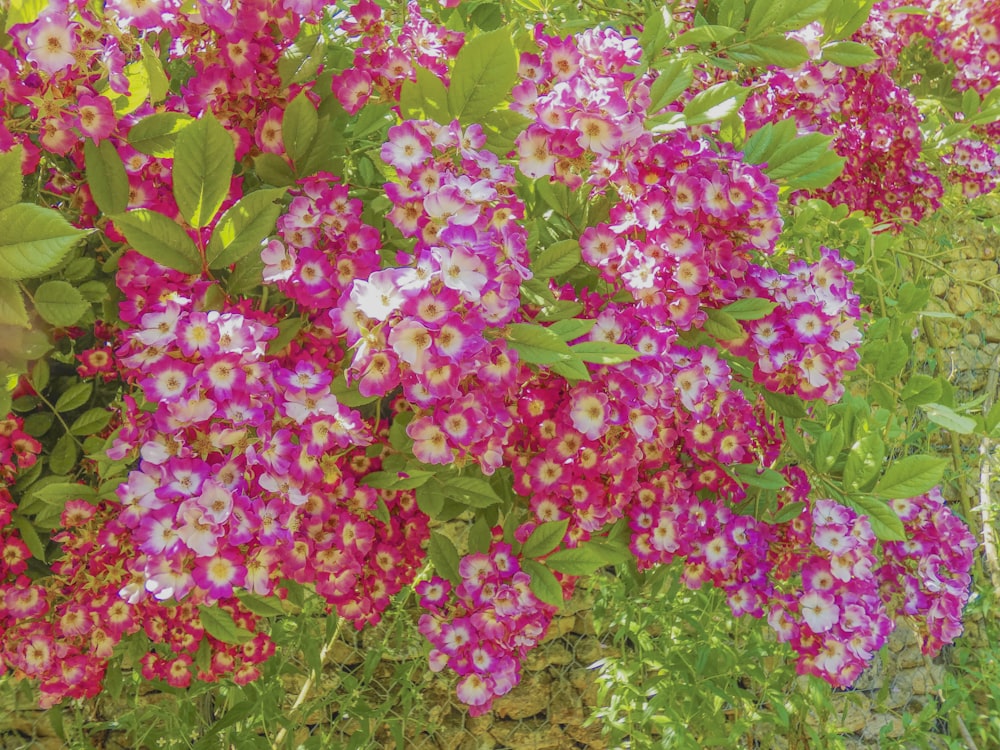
876,128
483,628
975,166
384,58
248,469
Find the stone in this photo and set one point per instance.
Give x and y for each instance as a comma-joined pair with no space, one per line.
530,698
873,729
533,733
852,711
964,298
548,654
927,680
559,627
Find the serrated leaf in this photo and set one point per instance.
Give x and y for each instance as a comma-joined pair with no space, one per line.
426,97
715,103
273,170
63,456
920,389
430,499
864,462
204,157
537,344
787,513
545,538
557,259
707,34
828,447
74,397
159,85
543,583
603,352
471,491
765,16
444,556
160,239
138,89
762,144
219,624
884,520
11,179
776,49
91,421
674,78
849,54
264,606
569,329
243,227
785,405
392,480
299,126
750,308
484,74
911,476
723,326
949,419
300,61
12,309
797,155
157,134
34,240
573,370
754,476
29,536
60,303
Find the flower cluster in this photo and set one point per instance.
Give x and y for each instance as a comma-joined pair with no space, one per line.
384,60
931,568
876,128
975,166
484,627
18,450
810,339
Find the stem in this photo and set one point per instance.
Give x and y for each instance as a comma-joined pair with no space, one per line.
986,459
307,686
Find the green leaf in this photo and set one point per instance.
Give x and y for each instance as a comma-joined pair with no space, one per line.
57,493
12,309
910,477
885,523
556,259
864,462
393,480
537,344
569,329
801,14
765,15
502,128
673,79
760,146
219,624
160,239
586,558
545,538
265,606
850,54
787,513
299,126
750,308
755,476
471,491
91,421
11,179
63,456
485,72
655,33
775,49
892,357
444,556
785,405
273,170
573,370
798,155
60,303
300,61
74,397
920,389
426,97
138,89
715,103
203,168
480,536
431,498
702,35
949,419
603,352
543,584
723,326
244,227
156,135
828,447
29,536
34,241
844,17
159,86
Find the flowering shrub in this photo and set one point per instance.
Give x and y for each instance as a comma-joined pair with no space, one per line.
323,279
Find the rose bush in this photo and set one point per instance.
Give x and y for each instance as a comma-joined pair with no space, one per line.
292,284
